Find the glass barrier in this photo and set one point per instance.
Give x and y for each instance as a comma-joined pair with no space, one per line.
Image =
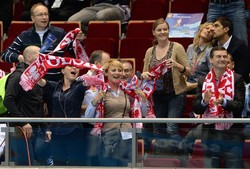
194,145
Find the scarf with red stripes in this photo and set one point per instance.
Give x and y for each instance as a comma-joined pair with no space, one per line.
224,86
146,86
44,62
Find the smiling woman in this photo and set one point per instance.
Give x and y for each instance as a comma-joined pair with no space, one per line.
115,148
169,96
67,139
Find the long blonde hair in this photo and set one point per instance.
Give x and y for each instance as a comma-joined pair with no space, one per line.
197,36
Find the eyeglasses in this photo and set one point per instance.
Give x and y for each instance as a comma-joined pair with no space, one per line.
126,70
42,14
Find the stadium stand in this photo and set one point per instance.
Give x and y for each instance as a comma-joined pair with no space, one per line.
149,9
106,29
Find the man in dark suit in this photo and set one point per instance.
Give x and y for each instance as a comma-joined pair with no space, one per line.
221,95
223,29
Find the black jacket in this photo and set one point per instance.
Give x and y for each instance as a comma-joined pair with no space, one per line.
241,56
236,105
20,103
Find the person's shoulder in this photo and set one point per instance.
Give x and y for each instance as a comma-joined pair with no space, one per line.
178,45
237,76
27,32
236,42
57,29
149,50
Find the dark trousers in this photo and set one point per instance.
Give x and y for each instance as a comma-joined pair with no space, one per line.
20,149
68,150
168,106
224,145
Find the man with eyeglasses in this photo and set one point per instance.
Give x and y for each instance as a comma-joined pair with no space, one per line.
127,70
37,36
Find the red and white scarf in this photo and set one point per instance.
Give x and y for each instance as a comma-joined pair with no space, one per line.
44,62
147,87
225,86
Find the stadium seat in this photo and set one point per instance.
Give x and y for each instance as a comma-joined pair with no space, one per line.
149,9
1,36
66,25
5,66
17,27
135,48
184,41
246,154
198,6
197,158
248,28
140,29
7,42
161,162
140,144
132,61
195,163
106,29
18,8
106,44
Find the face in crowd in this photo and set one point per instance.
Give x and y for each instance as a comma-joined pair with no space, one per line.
40,17
70,73
127,71
113,71
161,30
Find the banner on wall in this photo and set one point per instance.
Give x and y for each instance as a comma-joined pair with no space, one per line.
183,25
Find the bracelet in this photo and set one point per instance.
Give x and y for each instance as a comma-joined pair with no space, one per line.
184,70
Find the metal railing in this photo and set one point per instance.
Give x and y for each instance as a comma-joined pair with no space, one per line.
112,120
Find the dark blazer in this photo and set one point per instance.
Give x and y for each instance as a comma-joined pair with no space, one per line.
241,56
236,105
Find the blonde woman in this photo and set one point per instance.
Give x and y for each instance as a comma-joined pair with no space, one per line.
198,55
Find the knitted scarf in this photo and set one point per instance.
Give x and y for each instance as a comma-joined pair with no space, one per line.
147,87
225,86
44,62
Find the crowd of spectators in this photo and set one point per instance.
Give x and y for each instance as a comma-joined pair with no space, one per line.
202,70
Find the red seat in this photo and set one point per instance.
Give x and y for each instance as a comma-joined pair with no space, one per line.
1,36
197,158
140,29
106,29
7,42
162,162
149,9
184,41
66,25
5,66
247,3
195,163
18,9
135,48
132,62
198,6
106,44
140,144
246,154
17,27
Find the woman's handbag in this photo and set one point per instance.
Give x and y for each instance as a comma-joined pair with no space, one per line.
113,137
